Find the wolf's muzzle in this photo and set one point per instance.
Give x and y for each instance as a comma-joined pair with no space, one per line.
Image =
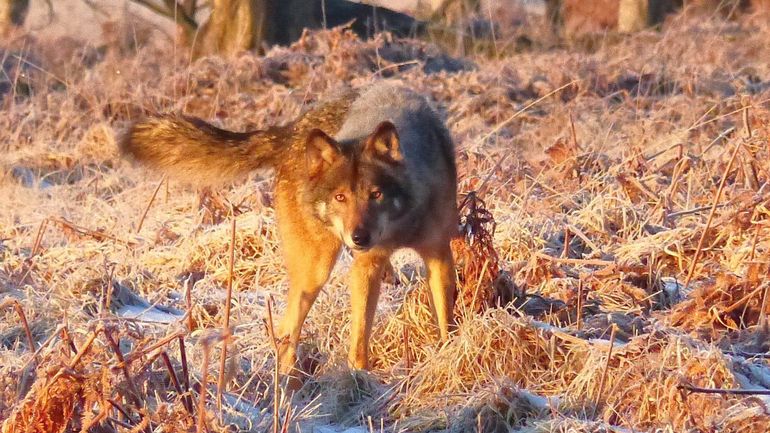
361,237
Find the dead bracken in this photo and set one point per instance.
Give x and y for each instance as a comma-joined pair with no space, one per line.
641,163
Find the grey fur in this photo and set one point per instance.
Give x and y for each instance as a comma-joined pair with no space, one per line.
422,136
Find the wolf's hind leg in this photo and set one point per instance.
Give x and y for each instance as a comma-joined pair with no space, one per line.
365,280
442,284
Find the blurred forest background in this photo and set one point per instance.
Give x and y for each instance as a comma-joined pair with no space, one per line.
230,26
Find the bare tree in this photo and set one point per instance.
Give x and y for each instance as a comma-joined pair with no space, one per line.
183,13
237,25
232,25
12,14
633,15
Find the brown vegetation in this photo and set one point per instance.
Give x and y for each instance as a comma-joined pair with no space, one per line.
616,267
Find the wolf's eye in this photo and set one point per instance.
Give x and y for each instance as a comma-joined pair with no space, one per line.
374,195
339,197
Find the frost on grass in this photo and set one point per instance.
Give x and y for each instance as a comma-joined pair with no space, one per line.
591,206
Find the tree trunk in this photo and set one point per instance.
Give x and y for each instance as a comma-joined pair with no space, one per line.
553,14
12,15
234,26
585,18
633,15
240,25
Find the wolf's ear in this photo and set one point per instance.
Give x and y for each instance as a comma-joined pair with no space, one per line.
384,143
321,151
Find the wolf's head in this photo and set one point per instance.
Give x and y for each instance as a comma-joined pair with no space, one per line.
359,189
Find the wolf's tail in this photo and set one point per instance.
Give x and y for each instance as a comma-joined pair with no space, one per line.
192,150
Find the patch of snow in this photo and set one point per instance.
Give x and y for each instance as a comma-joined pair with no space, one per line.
673,290
151,314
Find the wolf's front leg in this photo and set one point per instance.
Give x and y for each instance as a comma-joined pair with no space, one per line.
442,284
365,279
309,261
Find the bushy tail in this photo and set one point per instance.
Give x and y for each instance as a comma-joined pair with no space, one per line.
192,150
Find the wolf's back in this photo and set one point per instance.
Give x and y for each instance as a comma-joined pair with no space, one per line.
197,152
423,135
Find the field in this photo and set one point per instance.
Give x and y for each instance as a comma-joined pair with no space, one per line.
613,276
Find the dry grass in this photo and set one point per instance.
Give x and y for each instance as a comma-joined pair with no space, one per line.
599,197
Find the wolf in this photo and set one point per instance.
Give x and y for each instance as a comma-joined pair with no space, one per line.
372,170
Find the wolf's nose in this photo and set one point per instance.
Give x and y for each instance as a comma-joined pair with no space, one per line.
361,237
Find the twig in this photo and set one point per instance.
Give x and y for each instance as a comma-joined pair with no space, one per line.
83,350
78,356
694,210
188,303
572,130
721,136
580,305
579,233
747,133
204,385
83,231
286,420
65,335
148,363
175,382
714,205
124,367
185,371
25,325
502,124
698,390
740,302
40,69
138,353
122,411
104,306
149,204
721,116
394,66
628,181
172,375
584,262
38,238
226,324
606,367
